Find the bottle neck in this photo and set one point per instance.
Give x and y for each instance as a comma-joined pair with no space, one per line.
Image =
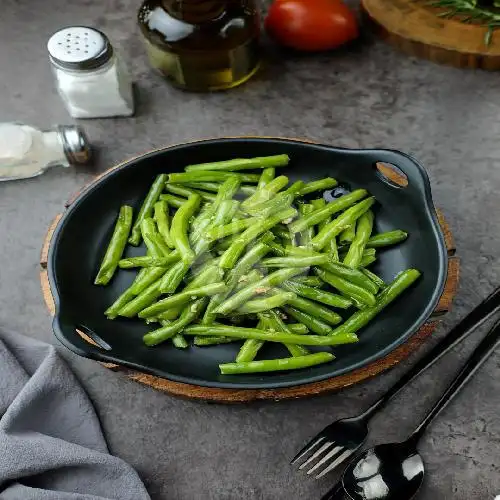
54,149
195,11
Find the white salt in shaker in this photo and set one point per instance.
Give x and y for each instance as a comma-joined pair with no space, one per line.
91,78
26,151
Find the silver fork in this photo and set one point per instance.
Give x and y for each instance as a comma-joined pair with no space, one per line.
339,440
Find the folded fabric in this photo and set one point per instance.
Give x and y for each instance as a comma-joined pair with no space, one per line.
51,443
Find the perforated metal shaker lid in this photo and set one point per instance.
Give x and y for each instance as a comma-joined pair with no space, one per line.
79,48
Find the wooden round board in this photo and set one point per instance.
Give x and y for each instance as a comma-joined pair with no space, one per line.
325,386
416,28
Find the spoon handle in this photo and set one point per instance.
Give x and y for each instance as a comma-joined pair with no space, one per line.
485,310
473,363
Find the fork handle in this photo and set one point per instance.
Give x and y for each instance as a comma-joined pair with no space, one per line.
473,363
485,310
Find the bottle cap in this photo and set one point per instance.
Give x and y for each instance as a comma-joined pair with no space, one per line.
75,143
79,48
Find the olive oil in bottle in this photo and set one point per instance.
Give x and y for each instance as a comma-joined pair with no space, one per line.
202,45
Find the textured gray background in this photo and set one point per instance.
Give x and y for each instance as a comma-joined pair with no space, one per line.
367,96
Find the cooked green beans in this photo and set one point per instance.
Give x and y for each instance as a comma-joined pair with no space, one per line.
364,227
337,225
386,239
315,217
147,207
162,219
116,246
361,318
209,175
180,224
274,365
269,336
227,262
241,164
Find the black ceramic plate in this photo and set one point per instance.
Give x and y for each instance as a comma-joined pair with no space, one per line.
83,233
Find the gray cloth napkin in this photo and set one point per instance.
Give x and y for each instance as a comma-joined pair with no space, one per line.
51,443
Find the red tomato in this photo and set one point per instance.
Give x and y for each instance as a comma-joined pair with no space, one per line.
311,25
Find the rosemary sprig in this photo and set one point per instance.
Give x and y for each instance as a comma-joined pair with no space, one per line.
468,12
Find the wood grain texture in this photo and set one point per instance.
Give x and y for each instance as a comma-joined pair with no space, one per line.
325,386
416,29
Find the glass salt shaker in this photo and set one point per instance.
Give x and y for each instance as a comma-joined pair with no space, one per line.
27,152
92,79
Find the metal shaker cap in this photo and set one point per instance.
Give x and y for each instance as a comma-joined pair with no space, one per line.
79,48
75,143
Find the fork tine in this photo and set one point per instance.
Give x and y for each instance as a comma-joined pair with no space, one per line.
332,453
307,448
336,462
316,454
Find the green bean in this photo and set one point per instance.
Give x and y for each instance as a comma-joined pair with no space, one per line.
307,234
116,246
281,231
334,251
294,189
152,238
232,254
346,287
252,277
173,277
187,192
328,298
251,347
170,315
237,226
147,261
266,192
298,328
162,218
179,341
313,281
241,164
180,224
280,337
274,365
344,220
146,209
280,202
353,275
182,298
314,309
318,204
367,260
210,176
364,227
269,281
296,261
141,301
189,314
172,200
265,304
393,290
214,187
140,283
347,235
227,191
277,249
313,324
241,268
206,341
277,324
333,207
319,185
373,277
266,177
386,239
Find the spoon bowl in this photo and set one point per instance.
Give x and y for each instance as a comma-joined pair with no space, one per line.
393,471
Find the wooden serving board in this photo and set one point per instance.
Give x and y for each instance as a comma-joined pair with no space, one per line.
325,386
417,29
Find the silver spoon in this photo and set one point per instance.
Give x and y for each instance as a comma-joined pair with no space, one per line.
395,471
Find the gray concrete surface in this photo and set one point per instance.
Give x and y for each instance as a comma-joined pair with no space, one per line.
367,96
